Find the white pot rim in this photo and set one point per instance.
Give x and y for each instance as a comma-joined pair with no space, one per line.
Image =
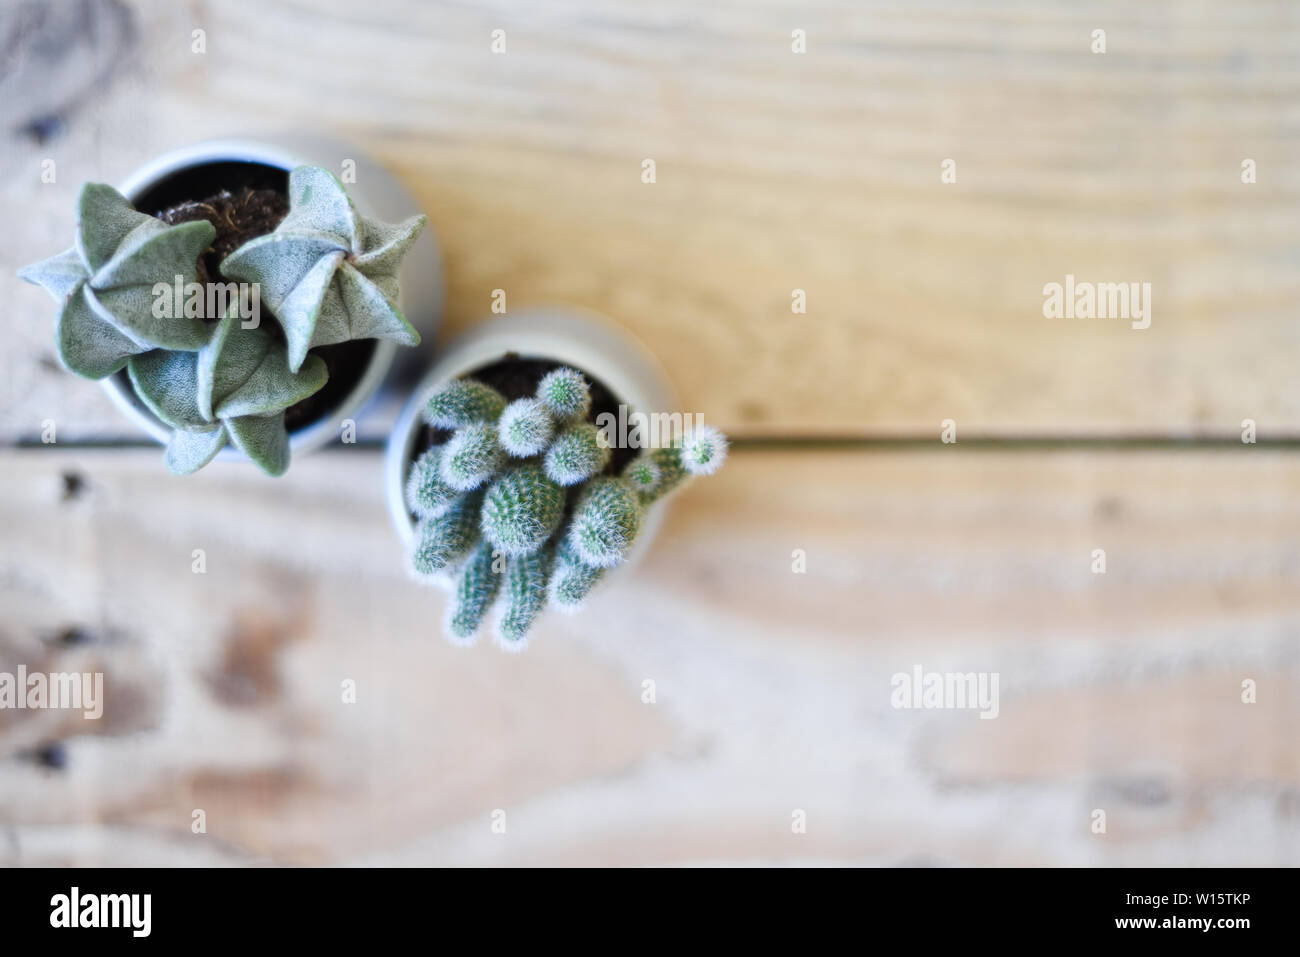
421,308
582,339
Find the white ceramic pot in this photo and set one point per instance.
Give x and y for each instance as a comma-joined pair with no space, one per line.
376,193
585,341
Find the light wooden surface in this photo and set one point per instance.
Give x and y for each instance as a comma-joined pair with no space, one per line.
772,689
775,171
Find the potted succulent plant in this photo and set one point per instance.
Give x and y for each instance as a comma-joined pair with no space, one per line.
234,297
512,477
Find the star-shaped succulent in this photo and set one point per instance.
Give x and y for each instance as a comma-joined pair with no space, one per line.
235,388
328,273
104,285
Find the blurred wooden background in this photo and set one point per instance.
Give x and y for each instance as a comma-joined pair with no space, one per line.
775,171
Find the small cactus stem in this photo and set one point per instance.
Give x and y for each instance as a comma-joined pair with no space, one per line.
463,402
671,474
605,522
578,453
471,457
566,393
703,450
521,510
643,475
475,590
525,428
523,595
439,543
571,580
427,495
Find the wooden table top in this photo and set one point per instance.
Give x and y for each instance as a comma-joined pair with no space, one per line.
775,171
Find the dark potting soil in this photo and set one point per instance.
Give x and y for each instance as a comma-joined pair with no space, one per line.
180,198
244,201
238,217
346,363
516,378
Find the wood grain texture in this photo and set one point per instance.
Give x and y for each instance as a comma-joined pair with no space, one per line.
1119,691
775,171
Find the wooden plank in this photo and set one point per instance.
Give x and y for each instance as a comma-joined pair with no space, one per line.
775,171
1118,691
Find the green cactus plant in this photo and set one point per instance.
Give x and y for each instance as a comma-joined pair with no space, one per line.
523,596
667,462
521,510
442,541
566,393
327,273
527,427
644,476
571,579
427,495
476,588
463,402
703,450
577,454
605,522
542,453
471,457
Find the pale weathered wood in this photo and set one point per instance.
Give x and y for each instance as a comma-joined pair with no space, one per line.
775,171
1119,691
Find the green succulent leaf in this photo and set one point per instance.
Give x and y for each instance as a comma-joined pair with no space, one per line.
328,273
60,275
108,279
319,203
150,249
105,218
246,372
387,245
263,439
237,387
126,253
294,271
168,384
188,451
86,344
365,311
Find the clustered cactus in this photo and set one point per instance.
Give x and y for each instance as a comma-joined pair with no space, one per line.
327,273
518,509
